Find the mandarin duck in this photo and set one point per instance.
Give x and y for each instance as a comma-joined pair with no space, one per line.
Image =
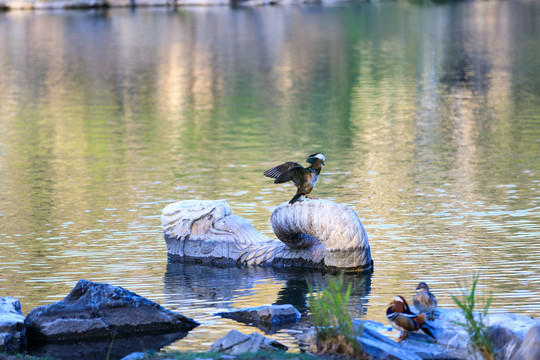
304,178
424,300
403,319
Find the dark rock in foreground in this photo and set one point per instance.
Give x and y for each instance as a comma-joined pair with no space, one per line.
235,343
94,310
270,315
12,330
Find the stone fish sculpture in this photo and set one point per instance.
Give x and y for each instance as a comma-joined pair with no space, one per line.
318,234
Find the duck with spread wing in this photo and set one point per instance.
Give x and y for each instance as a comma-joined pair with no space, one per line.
304,178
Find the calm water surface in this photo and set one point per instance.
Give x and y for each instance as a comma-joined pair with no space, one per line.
429,117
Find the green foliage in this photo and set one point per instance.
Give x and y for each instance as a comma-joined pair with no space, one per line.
475,321
111,344
335,330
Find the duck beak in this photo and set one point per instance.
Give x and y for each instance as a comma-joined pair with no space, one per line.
322,162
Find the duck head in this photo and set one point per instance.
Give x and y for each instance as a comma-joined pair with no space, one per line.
422,286
398,304
316,160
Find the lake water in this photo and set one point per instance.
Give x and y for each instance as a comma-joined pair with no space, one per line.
429,117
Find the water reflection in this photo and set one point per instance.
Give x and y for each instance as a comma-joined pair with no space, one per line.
203,290
113,348
233,287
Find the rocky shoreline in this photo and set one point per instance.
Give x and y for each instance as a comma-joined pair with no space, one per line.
94,316
87,320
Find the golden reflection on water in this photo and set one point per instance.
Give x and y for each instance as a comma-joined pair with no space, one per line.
427,115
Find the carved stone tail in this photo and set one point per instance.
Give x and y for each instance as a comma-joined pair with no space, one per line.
335,226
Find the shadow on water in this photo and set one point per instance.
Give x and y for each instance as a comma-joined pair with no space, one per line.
114,348
228,287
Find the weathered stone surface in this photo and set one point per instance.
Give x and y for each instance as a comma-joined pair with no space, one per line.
505,341
268,314
313,233
235,343
379,347
94,310
208,231
530,347
12,330
307,340
308,223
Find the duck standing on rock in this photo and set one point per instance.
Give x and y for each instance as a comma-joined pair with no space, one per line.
304,178
403,319
424,300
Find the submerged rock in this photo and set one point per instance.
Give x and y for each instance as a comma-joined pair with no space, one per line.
235,343
318,234
95,310
270,315
12,330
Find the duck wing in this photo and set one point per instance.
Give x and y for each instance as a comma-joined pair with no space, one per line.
404,322
424,300
289,171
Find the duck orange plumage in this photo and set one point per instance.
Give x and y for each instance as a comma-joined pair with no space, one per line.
403,319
